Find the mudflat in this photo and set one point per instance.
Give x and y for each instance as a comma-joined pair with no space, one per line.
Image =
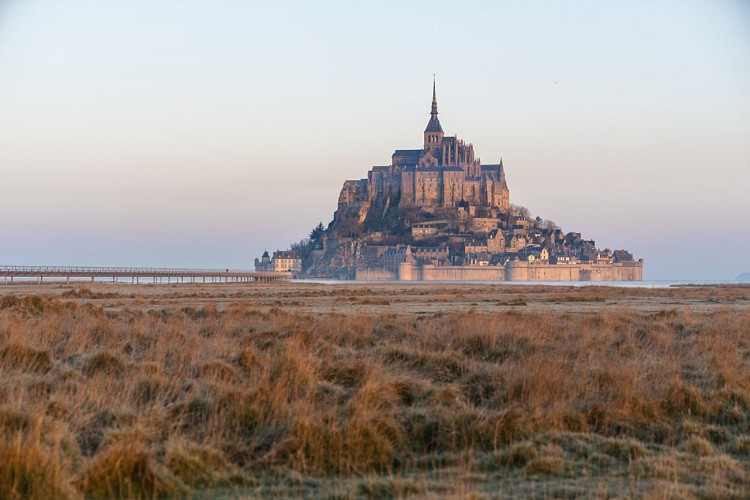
386,390
398,298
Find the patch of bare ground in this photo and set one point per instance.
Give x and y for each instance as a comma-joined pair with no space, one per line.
374,391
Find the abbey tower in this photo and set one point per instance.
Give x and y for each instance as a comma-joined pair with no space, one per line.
444,173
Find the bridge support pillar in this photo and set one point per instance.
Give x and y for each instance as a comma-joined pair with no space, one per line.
39,281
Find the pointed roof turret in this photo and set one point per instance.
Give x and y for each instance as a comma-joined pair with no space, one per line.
503,182
434,124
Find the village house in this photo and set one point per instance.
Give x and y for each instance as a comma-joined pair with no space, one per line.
476,247
433,255
495,241
421,230
286,261
478,259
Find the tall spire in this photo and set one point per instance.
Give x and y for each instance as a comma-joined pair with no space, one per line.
434,124
434,111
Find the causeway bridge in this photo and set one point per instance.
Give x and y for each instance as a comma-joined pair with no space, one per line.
137,275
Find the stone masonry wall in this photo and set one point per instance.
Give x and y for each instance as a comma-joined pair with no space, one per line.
515,271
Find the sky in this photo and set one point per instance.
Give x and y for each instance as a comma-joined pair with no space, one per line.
198,134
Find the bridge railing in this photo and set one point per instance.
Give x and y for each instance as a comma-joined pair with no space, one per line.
100,270
8,273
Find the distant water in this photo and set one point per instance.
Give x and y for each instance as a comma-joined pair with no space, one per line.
628,284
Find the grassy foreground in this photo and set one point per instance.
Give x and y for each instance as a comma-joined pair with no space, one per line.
106,395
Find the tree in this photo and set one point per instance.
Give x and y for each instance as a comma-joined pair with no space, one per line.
317,232
302,248
522,211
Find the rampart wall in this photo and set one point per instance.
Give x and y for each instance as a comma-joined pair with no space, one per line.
451,273
514,271
532,271
375,274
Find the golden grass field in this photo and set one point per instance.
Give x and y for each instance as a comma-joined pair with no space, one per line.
363,390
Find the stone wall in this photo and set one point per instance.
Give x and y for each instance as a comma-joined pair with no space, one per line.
461,273
375,274
411,272
484,225
527,271
626,271
515,271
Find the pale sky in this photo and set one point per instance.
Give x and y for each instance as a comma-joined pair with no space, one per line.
197,134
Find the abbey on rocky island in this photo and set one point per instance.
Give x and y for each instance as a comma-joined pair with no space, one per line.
438,213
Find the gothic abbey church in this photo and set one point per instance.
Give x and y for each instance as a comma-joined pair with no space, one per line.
444,173
438,214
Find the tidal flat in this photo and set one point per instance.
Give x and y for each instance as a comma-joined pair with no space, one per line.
374,390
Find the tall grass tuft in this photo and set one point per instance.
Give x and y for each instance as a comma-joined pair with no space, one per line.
28,467
127,470
25,358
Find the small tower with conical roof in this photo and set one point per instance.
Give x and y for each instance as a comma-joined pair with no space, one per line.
433,134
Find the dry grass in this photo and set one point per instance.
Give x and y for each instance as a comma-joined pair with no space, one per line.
30,470
166,395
